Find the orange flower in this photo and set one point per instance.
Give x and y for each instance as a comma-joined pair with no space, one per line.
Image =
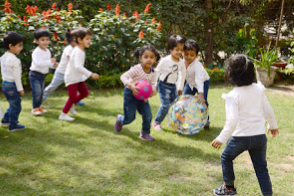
7,7
18,16
146,22
153,20
54,6
8,19
64,42
55,36
147,8
31,10
25,19
70,7
113,37
136,14
117,10
203,64
216,68
43,27
46,14
126,15
108,7
159,27
141,34
101,9
26,24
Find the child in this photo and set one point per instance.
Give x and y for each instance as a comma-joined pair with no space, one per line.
41,61
76,73
58,78
170,70
148,55
247,108
196,76
11,76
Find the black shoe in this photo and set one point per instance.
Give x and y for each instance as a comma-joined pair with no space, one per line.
207,125
224,191
16,127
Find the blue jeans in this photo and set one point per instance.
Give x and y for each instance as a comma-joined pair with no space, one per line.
37,81
57,80
188,91
256,146
12,95
131,104
167,94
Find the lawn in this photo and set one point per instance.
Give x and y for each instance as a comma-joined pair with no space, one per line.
87,157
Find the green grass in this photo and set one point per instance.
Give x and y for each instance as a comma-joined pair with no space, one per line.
87,157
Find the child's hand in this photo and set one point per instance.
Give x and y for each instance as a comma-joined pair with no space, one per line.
21,93
53,60
56,64
274,132
201,98
153,93
133,88
180,92
217,144
95,76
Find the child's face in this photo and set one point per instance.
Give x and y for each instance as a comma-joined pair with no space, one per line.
85,42
148,59
17,48
43,42
177,51
190,56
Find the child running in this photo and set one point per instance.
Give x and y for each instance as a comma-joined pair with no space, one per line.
148,55
196,76
76,73
41,61
247,109
11,77
171,72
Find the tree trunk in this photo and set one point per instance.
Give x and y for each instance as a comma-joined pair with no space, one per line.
209,33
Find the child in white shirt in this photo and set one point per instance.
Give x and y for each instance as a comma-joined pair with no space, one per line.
148,55
11,76
247,109
76,73
171,72
41,62
197,79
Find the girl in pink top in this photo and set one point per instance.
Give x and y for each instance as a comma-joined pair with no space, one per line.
148,55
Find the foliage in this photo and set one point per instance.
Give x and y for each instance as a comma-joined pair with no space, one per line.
116,36
247,42
216,75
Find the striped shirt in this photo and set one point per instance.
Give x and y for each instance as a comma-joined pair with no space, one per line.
136,73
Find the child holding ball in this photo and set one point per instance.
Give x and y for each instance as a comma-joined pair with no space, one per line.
148,55
247,109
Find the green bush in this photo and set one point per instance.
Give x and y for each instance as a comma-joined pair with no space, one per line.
216,76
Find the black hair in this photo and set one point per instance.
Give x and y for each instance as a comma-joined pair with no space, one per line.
69,36
240,70
140,51
80,32
41,32
12,38
174,40
192,45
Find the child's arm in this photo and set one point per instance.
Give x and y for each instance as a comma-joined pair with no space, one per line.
131,73
40,62
199,79
16,70
182,78
79,65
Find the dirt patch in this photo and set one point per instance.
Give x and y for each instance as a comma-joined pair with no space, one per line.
282,89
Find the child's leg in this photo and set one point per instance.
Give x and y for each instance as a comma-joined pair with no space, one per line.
257,153
145,111
130,107
72,93
37,81
167,93
205,94
57,80
234,147
84,92
188,91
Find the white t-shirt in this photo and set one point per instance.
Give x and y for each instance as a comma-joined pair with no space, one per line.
11,69
247,109
75,71
196,75
64,59
41,61
171,72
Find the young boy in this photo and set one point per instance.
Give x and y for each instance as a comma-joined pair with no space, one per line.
11,76
41,61
196,76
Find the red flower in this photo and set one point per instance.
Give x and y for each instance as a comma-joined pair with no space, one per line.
7,7
153,20
101,9
64,41
26,24
43,27
18,16
25,19
126,15
117,10
141,34
46,14
147,8
57,17
159,27
113,37
31,10
55,36
108,7
136,14
8,19
146,22
54,6
70,7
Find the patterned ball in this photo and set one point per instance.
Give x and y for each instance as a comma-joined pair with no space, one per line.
145,89
187,116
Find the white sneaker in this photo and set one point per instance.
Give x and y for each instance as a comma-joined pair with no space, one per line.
72,110
66,117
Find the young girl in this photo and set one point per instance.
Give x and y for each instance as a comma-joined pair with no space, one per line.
196,76
170,70
148,55
76,73
247,108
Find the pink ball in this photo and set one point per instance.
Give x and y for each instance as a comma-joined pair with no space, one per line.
145,89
